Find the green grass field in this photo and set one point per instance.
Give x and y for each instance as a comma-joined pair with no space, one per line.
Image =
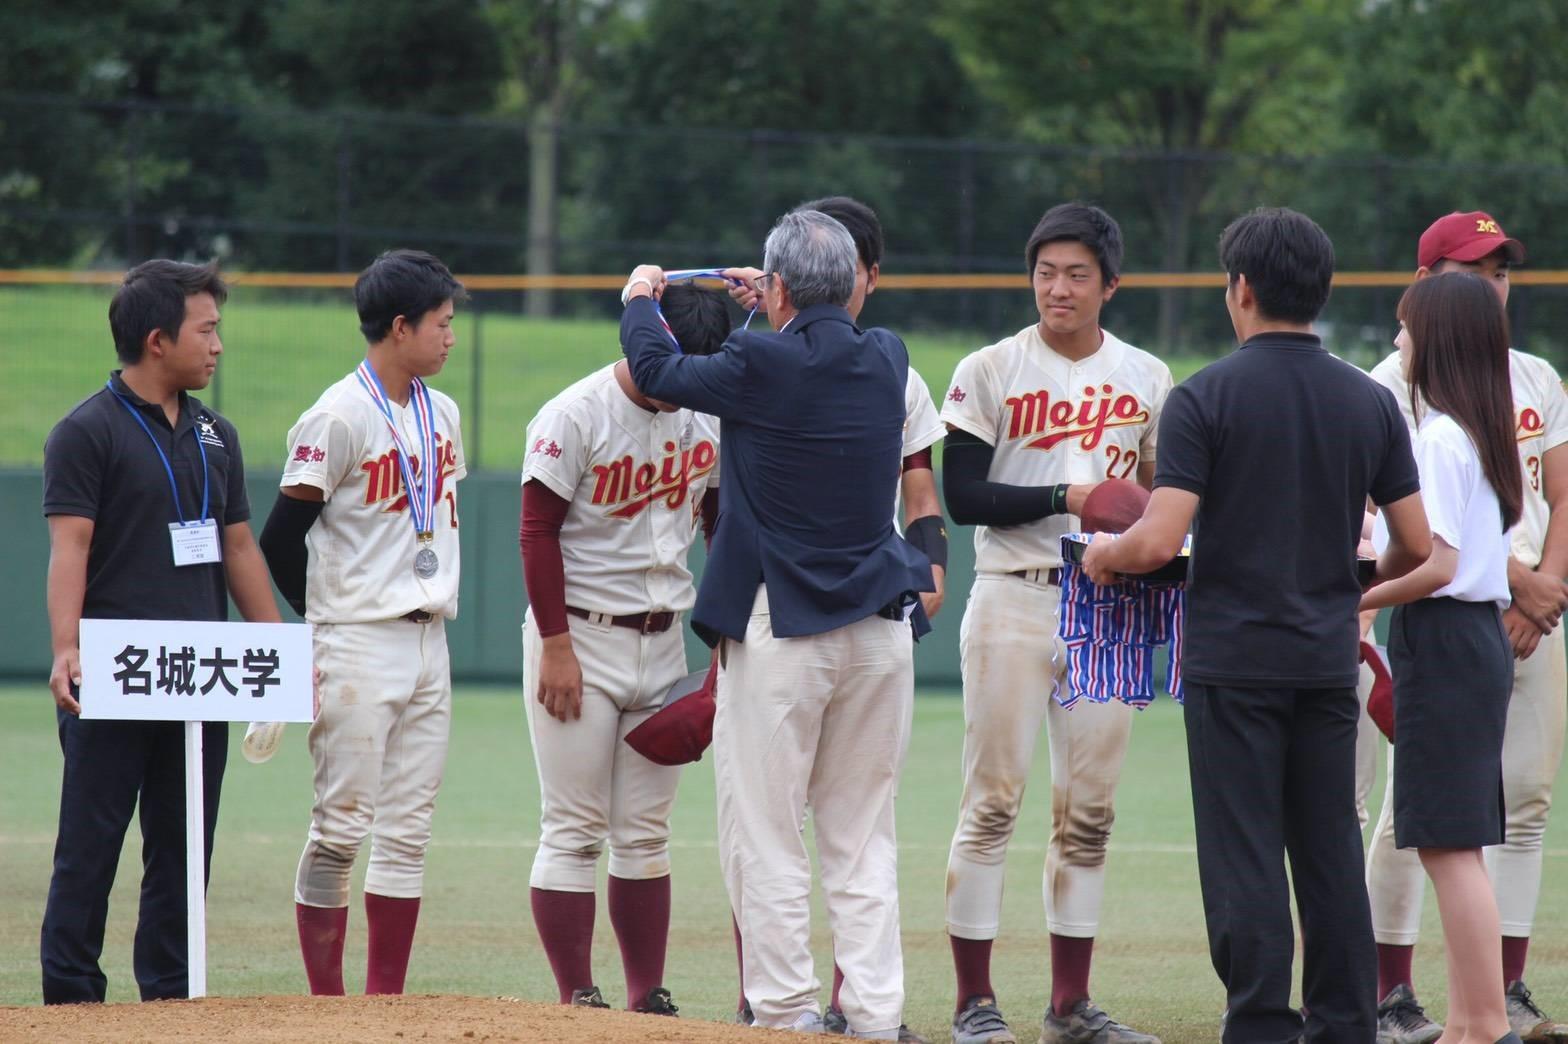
476,935
281,349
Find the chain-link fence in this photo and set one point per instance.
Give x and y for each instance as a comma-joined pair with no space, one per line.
100,185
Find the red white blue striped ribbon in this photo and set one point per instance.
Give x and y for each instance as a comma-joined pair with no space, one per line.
419,483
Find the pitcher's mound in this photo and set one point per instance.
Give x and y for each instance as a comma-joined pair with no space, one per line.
335,1020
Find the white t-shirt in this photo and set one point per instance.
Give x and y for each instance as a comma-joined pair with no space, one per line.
1541,424
361,550
922,428
1462,508
1054,420
635,480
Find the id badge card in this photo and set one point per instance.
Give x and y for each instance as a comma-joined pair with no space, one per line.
195,543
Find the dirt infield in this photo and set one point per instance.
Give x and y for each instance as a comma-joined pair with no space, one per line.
337,1020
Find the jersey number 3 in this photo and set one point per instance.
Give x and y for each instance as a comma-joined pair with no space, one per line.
1119,462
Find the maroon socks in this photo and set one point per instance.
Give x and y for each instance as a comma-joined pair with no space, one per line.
565,923
321,934
392,923
1069,971
1393,967
1514,949
972,967
640,915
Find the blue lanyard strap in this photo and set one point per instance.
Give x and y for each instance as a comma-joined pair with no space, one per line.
168,469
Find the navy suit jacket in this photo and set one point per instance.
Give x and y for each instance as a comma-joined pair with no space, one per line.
811,443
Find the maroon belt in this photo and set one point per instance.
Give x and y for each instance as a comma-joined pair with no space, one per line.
645,623
1052,576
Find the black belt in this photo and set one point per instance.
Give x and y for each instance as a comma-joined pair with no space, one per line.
892,611
645,623
418,616
1052,576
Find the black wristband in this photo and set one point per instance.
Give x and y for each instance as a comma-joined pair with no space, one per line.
929,535
1059,499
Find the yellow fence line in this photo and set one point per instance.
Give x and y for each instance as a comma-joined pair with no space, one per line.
949,281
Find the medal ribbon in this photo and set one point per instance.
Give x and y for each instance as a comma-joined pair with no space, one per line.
421,488
168,469
690,274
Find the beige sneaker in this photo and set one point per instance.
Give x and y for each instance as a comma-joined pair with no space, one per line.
1087,1024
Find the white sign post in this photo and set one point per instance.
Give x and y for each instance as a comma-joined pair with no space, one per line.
195,671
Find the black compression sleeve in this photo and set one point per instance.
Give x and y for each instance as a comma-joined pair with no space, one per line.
973,500
929,535
283,545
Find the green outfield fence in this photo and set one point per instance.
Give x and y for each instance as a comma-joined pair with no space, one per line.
288,335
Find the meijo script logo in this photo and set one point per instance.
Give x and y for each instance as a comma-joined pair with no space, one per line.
627,487
1061,420
386,478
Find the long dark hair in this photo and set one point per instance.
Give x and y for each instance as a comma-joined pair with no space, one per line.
1459,366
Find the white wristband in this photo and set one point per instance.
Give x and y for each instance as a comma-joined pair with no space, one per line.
626,291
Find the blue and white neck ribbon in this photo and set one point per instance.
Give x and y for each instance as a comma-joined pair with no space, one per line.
1111,634
419,483
682,275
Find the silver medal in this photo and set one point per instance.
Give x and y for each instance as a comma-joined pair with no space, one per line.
426,563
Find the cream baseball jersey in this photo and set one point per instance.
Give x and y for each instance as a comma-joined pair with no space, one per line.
923,428
1054,420
635,481
361,550
1540,424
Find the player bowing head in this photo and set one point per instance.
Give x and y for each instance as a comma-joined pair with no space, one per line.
1075,261
613,484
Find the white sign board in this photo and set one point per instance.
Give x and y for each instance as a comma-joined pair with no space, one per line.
195,671
187,670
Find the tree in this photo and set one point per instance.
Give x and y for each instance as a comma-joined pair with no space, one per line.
551,49
1188,79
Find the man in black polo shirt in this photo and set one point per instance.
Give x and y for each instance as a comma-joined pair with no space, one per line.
128,470
1275,451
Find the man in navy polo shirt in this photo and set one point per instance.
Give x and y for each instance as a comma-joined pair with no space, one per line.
121,471
1270,455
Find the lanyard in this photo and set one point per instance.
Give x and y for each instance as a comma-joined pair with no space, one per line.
167,468
420,489
687,274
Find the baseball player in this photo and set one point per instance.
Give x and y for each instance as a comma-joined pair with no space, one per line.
363,542
613,483
921,510
1533,738
1035,421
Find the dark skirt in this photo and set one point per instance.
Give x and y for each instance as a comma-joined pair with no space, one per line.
1453,673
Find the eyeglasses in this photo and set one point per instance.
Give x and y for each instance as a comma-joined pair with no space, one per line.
762,281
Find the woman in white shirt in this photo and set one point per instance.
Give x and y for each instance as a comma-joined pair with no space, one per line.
1451,660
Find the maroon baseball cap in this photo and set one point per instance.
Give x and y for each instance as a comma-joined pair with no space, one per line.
1466,237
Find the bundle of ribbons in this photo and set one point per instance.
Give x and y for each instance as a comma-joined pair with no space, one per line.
1112,633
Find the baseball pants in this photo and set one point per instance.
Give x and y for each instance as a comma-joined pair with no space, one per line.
1532,755
1273,774
379,744
823,719
112,769
593,787
1011,661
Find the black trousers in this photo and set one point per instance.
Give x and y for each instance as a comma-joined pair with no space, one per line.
1273,774
109,765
